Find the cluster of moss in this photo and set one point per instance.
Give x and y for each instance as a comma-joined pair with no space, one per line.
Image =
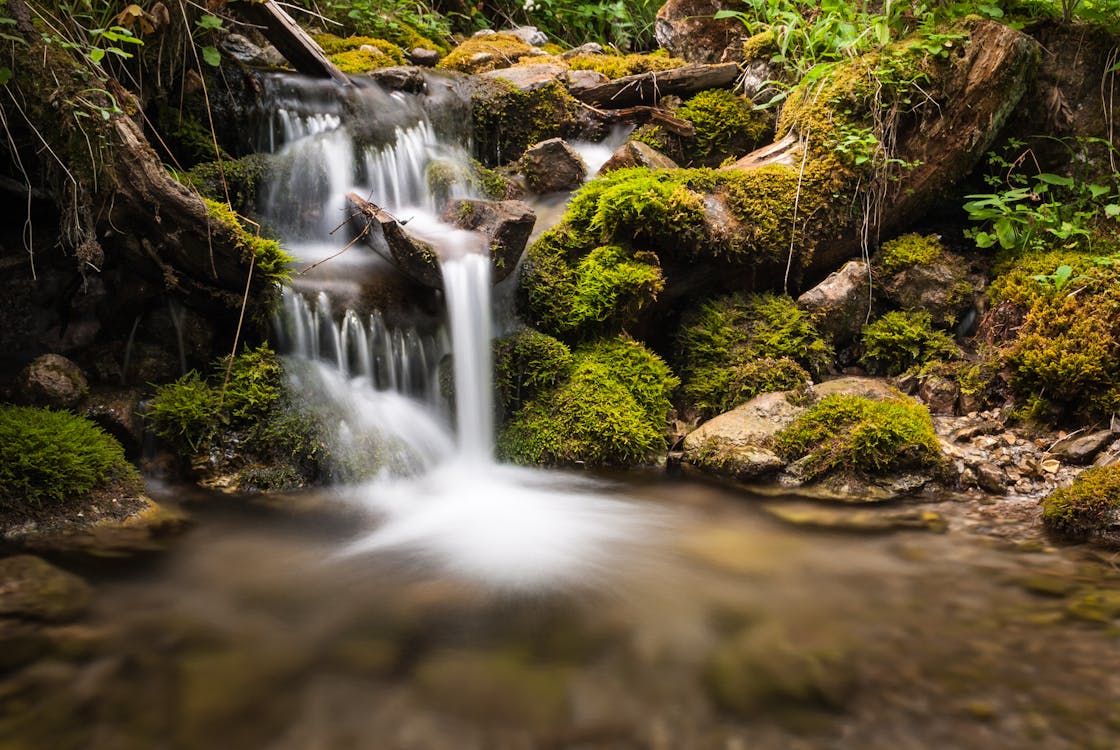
618,66
247,411
605,403
900,340
1065,356
726,123
56,457
267,256
480,54
861,436
907,251
358,54
1076,512
241,177
735,347
505,120
442,176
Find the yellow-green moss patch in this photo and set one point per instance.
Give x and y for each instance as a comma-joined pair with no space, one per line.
1076,512
618,66
480,54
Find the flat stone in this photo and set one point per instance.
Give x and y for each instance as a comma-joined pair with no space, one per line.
505,224
637,154
970,431
531,76
876,389
1080,449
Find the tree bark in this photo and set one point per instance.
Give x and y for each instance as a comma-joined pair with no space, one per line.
648,88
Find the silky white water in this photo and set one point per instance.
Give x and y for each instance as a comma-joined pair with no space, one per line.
432,488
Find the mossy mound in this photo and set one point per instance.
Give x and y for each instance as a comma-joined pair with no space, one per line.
1062,344
900,340
527,362
735,347
242,177
610,408
266,255
1083,510
726,123
487,52
369,57
54,457
506,121
907,251
250,427
619,66
861,436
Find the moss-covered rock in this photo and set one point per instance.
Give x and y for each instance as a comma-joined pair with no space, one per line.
616,65
486,52
506,120
861,436
53,457
735,347
727,126
610,409
900,340
266,255
919,274
1088,509
241,177
527,362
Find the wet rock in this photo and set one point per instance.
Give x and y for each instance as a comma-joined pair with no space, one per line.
530,76
687,30
531,35
31,588
939,393
839,303
1080,449
637,154
857,520
941,288
736,443
51,380
106,527
505,224
404,78
117,411
975,429
552,166
990,478
425,58
768,666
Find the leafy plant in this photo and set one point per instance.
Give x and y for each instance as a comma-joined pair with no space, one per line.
899,340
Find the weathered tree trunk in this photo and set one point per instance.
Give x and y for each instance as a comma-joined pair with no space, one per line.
648,88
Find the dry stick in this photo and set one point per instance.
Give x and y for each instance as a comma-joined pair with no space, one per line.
349,245
237,333
1107,103
796,204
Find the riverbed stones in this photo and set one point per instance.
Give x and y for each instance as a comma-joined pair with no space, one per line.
31,588
51,380
1080,448
857,520
552,166
839,304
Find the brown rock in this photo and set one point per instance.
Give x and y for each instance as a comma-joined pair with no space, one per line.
531,76
51,380
687,30
939,393
839,304
552,166
637,154
117,411
506,224
991,479
32,588
1080,449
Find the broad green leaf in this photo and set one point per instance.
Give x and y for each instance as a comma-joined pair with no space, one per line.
1055,179
211,56
5,76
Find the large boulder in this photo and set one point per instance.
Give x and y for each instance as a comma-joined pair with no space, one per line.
736,444
687,30
506,224
51,380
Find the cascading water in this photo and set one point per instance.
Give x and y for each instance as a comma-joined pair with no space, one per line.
442,498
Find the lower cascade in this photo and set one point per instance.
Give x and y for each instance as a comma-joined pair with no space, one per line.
441,499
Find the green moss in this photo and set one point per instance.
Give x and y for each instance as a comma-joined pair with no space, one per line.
610,410
726,126
56,457
1077,511
735,347
900,340
506,121
480,54
907,251
266,254
761,46
617,66
639,205
355,61
527,362
242,177
862,436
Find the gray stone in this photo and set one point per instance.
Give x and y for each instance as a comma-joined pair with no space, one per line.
687,29
839,304
939,393
506,224
51,380
530,76
531,35
736,443
240,48
552,166
942,288
579,80
425,58
637,154
1080,449
590,48
990,478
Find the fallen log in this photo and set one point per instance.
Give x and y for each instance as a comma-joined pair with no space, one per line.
290,40
648,88
382,232
642,114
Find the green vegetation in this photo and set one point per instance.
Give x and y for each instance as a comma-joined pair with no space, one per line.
242,177
900,340
56,457
266,254
1077,511
480,54
727,125
862,436
907,251
617,66
610,408
735,347
406,24
527,362
614,23
358,54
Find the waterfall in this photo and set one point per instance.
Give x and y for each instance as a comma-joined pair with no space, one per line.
435,490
